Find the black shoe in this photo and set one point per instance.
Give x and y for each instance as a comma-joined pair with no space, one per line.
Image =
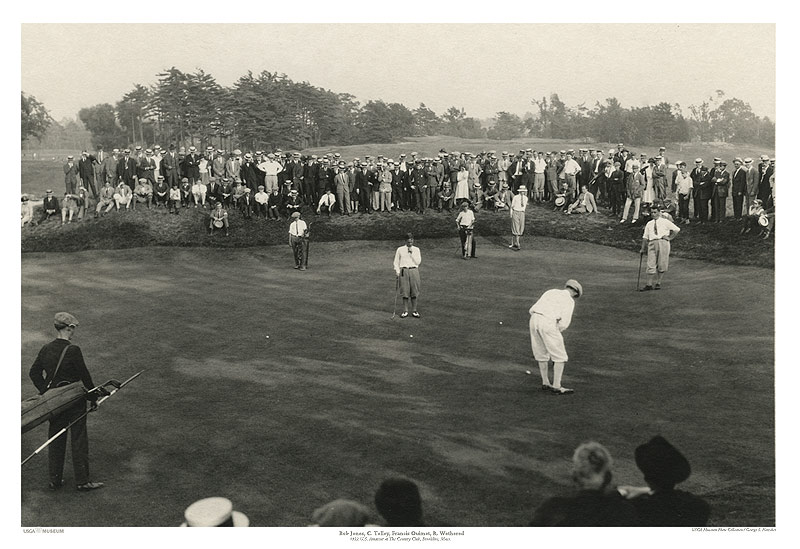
646,288
415,314
657,287
56,485
89,486
547,387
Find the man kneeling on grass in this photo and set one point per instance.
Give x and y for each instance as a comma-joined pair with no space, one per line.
219,219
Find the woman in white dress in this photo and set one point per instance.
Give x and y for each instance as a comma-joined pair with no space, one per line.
462,186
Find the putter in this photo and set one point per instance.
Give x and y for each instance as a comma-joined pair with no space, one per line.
396,291
639,275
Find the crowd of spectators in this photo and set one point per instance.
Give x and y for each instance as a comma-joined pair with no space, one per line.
273,185
596,499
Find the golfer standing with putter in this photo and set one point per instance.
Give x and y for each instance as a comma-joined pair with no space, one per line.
406,266
551,315
656,244
298,240
61,362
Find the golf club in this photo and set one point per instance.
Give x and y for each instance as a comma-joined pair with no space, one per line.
117,386
639,274
396,291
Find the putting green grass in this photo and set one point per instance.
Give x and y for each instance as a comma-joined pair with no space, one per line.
340,396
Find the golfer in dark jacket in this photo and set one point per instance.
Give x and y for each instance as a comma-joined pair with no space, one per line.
44,376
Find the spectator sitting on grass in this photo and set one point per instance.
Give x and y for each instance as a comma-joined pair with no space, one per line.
238,192
161,192
143,193
49,206
106,199
293,202
560,199
445,197
123,196
755,211
175,199
69,206
274,204
663,467
219,219
27,210
261,202
342,512
490,196
503,198
584,203
597,502
186,193
399,503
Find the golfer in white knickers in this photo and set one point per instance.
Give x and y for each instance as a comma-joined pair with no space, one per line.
550,316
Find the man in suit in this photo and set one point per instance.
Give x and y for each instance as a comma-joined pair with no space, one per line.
702,189
86,172
191,165
660,178
49,206
218,165
249,173
233,166
751,175
170,167
70,174
146,167
126,169
738,187
342,189
721,179
100,165
765,171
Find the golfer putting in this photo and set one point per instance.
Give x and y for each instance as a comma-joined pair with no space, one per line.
551,315
406,267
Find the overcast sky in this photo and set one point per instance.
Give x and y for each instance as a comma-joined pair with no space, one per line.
484,68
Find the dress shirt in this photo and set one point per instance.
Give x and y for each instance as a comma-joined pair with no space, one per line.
405,258
298,227
556,305
519,202
659,228
466,218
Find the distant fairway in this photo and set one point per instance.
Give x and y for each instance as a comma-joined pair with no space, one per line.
340,397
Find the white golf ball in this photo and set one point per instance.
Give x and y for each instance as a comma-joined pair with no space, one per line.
267,337
501,322
410,335
528,372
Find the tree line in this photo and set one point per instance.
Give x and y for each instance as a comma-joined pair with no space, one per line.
269,110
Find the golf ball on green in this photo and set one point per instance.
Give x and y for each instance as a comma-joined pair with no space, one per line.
409,335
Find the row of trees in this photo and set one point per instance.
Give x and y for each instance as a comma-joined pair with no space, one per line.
269,110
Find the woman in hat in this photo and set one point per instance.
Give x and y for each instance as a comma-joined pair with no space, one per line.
517,212
462,186
596,502
27,210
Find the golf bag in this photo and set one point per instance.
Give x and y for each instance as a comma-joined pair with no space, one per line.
40,408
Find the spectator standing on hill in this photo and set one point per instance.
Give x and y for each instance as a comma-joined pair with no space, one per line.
656,244
70,175
765,171
551,315
660,178
701,181
407,259
721,179
170,167
126,169
86,171
596,503
738,187
683,188
634,188
663,467
751,176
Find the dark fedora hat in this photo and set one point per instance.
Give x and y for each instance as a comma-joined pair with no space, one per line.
661,463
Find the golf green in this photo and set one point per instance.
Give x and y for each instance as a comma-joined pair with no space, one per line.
283,390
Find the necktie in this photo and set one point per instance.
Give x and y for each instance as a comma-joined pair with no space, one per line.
655,227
